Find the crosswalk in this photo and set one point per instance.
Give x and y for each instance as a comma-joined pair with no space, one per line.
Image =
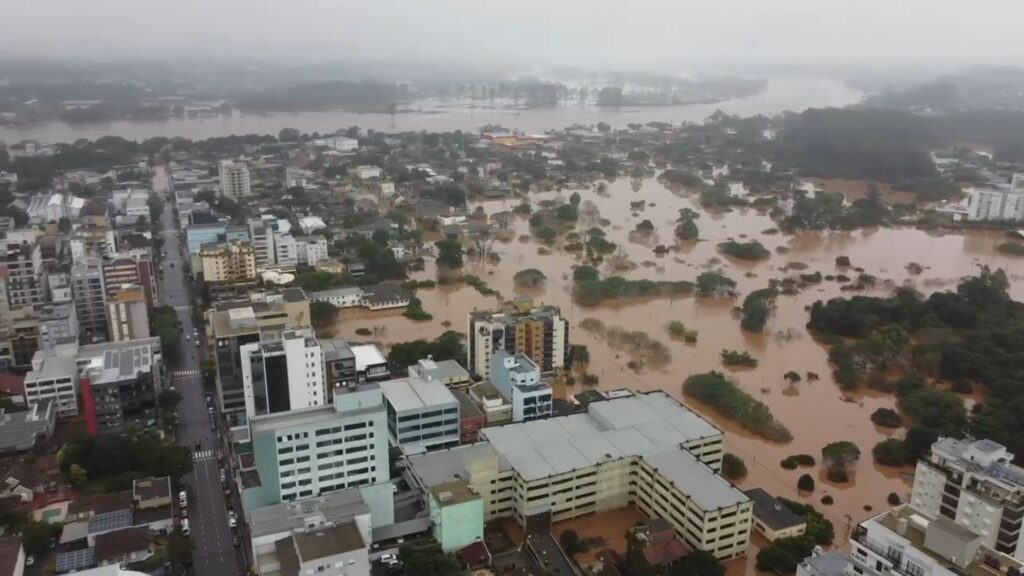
183,308
185,373
200,455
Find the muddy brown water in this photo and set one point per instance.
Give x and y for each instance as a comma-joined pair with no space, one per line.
816,412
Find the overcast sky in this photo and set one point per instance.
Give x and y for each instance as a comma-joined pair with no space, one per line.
654,34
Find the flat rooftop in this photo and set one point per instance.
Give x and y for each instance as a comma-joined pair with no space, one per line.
328,542
367,355
452,464
631,426
691,476
453,493
415,393
118,361
335,507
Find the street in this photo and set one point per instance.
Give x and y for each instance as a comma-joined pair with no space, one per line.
215,553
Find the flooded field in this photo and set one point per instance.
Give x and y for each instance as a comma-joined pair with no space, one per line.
816,412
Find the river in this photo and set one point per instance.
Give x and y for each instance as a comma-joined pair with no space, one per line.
780,94
816,412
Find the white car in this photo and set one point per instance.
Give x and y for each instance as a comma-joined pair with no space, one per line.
183,499
232,520
184,528
30,560
388,558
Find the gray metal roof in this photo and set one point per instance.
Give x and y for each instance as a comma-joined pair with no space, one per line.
415,393
287,516
21,430
707,489
445,466
630,426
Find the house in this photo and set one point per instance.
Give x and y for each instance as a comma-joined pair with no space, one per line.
124,546
12,557
12,386
772,518
658,542
151,492
311,224
366,172
22,481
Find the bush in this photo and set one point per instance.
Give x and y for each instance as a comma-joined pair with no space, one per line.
591,379
738,358
530,277
789,463
819,528
784,554
828,500
364,331
1011,248
890,452
894,499
805,483
751,251
792,462
887,417
838,475
733,467
843,261
840,454
571,542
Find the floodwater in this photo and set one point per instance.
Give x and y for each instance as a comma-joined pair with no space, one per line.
816,412
781,94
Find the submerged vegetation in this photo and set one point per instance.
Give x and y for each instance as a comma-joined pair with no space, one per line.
590,289
713,389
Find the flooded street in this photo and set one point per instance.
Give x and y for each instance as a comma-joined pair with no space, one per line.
816,412
781,94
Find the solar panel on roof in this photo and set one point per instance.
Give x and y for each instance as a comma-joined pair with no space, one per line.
109,521
76,560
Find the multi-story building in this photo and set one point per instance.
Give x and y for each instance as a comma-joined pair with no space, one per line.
234,179
54,376
517,379
286,250
26,278
130,271
315,451
976,485
89,291
127,314
370,507
348,364
338,550
229,267
422,414
23,336
448,372
538,332
908,542
234,324
197,235
58,282
58,323
261,234
312,250
999,205
93,239
646,450
120,383
283,374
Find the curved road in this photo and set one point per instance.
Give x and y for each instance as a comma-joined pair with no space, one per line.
215,553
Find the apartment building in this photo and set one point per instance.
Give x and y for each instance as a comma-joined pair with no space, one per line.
54,376
128,314
58,323
261,234
347,364
997,205
338,550
89,291
130,271
541,333
229,268
314,451
234,179
286,250
312,250
234,324
283,374
422,414
517,379
26,278
645,450
120,383
908,542
976,485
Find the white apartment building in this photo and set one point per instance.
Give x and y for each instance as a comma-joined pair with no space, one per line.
517,379
1000,205
54,376
228,262
422,413
645,450
286,250
905,541
283,374
311,250
261,234
978,487
234,179
339,143
315,451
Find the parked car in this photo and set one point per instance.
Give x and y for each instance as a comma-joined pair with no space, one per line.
184,528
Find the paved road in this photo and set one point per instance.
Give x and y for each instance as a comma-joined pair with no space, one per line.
215,553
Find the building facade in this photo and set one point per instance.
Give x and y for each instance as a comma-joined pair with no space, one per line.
234,179
315,451
517,379
976,485
26,278
541,333
229,267
422,414
998,205
127,314
89,290
54,377
283,374
120,383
